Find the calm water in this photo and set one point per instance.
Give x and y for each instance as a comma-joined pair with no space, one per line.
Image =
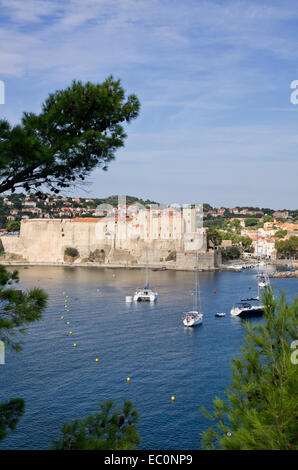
144,342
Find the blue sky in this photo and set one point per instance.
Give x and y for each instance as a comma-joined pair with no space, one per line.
213,77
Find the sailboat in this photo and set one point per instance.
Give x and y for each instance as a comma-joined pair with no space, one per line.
194,317
250,307
264,281
145,294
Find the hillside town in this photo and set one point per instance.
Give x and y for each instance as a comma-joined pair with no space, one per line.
265,239
249,231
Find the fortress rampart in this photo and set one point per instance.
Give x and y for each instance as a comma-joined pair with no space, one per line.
108,242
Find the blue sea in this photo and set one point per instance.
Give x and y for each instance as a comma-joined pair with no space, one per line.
145,342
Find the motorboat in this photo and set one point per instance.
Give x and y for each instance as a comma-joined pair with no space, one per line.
250,307
247,308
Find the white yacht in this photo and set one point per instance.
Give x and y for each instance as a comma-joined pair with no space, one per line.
194,317
236,267
243,309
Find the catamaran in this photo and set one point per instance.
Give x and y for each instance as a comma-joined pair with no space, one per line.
194,317
145,294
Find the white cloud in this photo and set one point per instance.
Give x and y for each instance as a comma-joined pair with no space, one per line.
96,32
29,11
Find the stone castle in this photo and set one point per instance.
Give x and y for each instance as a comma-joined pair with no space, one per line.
168,239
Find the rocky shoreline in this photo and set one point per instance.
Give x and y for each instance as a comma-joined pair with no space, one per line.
284,274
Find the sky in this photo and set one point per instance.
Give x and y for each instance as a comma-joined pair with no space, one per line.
216,124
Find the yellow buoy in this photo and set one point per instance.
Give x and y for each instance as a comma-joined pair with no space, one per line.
67,310
74,345
173,398
128,379
96,360
61,318
70,332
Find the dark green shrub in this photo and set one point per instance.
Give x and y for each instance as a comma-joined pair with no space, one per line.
73,252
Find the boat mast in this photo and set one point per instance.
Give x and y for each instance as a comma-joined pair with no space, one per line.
258,261
198,306
147,272
195,298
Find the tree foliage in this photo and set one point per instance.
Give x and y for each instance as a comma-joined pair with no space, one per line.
17,310
13,226
251,221
213,237
73,252
231,252
261,409
246,242
280,233
207,207
287,247
107,429
78,129
232,225
10,413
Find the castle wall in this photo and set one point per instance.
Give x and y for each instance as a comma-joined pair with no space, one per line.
10,244
206,260
45,240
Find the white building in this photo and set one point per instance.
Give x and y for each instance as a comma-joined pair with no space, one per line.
265,248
